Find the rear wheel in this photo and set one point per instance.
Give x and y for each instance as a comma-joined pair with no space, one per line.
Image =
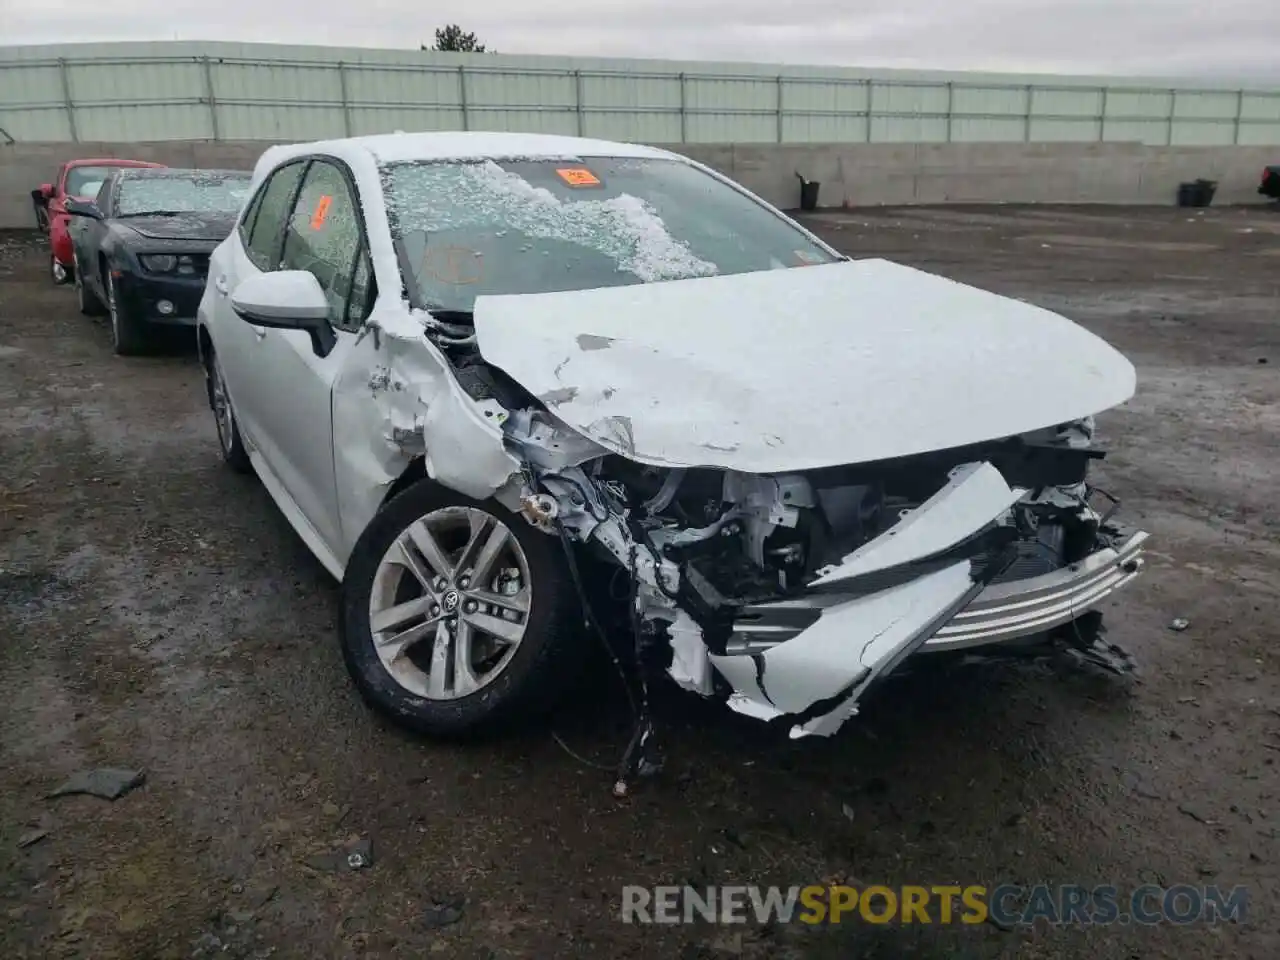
57,271
86,299
458,617
126,330
233,451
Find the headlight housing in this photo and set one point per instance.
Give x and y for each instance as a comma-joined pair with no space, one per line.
159,262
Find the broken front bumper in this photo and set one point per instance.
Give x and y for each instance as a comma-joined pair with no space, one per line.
1023,608
926,585
1000,613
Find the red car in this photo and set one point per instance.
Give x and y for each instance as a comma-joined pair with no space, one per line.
79,179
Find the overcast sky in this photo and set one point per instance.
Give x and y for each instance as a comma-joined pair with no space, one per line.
1217,38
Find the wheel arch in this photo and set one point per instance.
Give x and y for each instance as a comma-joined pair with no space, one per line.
415,470
529,686
204,346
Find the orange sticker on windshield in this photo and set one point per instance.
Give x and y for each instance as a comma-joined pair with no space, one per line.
578,177
322,211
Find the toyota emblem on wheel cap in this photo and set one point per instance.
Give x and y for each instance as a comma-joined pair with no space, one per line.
450,601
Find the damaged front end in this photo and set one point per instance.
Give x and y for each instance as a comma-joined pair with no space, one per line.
788,596
807,474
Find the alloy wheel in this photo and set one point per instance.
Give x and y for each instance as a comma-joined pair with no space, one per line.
450,603
113,310
222,407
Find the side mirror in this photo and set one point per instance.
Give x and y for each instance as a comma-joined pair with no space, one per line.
287,300
82,208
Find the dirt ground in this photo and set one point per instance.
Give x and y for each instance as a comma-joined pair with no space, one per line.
157,612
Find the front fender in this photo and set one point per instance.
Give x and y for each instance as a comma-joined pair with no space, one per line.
60,238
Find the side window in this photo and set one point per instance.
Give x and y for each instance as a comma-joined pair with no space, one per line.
323,237
277,197
245,229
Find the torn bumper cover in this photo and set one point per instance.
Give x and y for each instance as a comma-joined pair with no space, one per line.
924,585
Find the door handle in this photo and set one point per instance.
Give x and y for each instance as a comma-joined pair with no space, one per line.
220,284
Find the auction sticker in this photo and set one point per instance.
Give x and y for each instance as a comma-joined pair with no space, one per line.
578,177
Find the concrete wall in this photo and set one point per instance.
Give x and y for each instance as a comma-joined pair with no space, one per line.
851,174
870,174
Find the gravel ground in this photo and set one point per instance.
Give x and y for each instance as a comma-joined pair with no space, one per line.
156,612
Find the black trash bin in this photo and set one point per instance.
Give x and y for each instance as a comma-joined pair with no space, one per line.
808,193
1197,193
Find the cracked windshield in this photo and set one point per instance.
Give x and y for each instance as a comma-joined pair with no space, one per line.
196,194
537,226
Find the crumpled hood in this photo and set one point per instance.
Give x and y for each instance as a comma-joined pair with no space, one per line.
187,226
799,368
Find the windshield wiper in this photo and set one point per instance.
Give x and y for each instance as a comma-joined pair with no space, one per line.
153,213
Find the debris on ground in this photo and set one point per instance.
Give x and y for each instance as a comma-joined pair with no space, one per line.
1196,816
260,895
1179,624
443,912
1104,655
109,783
356,855
31,838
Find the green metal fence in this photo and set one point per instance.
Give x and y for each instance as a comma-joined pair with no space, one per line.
215,91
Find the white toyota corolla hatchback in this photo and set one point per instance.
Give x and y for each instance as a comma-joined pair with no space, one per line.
506,385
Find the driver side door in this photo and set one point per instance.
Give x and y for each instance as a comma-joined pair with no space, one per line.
324,235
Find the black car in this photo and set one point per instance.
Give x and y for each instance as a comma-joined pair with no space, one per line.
1270,185
141,249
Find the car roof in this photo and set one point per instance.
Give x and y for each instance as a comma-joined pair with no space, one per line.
466,145
110,162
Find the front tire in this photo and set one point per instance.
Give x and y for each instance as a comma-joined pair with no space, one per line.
58,272
458,617
86,299
127,338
